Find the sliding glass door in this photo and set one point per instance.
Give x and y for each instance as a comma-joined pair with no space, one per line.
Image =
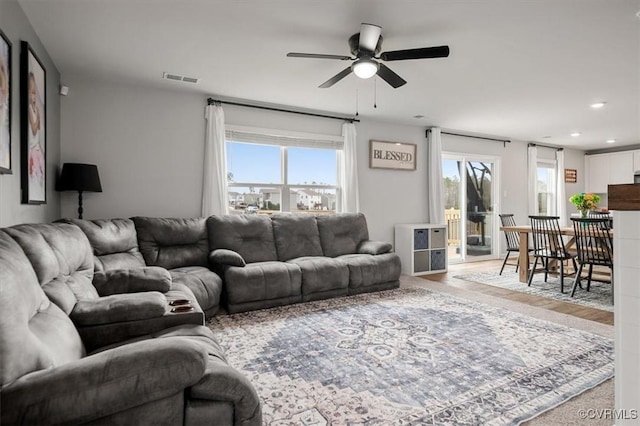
471,206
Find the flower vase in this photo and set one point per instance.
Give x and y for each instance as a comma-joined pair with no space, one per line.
584,213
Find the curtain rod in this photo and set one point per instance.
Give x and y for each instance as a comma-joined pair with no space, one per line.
504,141
211,101
557,148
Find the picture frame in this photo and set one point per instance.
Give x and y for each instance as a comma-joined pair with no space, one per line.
392,155
570,175
33,109
5,104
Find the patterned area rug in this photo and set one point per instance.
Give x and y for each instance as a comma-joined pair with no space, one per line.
409,356
599,295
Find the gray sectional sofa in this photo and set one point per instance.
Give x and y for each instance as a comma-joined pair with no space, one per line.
88,333
50,309
288,258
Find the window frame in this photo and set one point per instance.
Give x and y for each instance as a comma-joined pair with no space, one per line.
552,196
285,139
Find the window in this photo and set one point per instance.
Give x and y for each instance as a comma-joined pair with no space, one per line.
546,187
269,172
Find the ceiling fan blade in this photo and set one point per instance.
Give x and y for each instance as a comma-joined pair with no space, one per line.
336,78
420,53
369,35
390,77
318,56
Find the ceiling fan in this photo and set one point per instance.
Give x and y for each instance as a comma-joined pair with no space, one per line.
365,46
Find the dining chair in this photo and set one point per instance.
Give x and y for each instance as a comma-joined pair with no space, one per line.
548,245
601,215
595,247
513,240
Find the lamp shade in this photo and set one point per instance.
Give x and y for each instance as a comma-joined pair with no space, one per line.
79,177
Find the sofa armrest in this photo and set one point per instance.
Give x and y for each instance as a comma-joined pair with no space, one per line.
373,247
106,383
222,382
226,257
119,307
117,281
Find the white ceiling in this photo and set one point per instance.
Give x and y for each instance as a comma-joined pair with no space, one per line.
520,69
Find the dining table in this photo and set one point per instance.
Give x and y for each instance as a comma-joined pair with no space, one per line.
523,249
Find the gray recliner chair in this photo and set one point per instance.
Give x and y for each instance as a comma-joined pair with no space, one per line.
47,376
181,246
119,304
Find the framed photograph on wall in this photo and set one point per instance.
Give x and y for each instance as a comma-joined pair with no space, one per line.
5,104
392,155
33,108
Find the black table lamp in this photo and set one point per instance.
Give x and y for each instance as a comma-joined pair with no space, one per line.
79,177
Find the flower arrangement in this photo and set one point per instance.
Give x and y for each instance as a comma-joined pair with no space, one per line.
585,202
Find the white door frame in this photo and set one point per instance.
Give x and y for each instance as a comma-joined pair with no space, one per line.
495,206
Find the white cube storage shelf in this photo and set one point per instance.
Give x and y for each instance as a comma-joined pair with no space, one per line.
422,248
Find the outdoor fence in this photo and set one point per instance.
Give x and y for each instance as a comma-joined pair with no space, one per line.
452,217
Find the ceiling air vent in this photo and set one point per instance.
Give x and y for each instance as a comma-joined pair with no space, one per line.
176,77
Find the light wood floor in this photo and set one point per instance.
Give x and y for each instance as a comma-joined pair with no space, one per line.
585,312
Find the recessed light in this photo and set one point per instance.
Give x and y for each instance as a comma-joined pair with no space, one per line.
610,140
597,105
418,116
575,134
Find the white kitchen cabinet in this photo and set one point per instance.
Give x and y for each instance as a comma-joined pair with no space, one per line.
609,169
597,173
620,167
422,248
636,160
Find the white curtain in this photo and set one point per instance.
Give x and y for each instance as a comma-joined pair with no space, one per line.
349,201
561,204
215,197
435,184
532,180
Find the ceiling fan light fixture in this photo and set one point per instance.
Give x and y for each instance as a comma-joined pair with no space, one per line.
365,68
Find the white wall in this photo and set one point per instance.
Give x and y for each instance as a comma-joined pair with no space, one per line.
389,197
16,27
148,145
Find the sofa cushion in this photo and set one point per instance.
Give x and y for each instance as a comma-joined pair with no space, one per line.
322,277
251,236
172,243
260,281
34,333
62,258
368,271
296,235
341,233
205,285
114,243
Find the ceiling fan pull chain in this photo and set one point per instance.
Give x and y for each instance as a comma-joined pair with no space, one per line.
375,94
357,102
